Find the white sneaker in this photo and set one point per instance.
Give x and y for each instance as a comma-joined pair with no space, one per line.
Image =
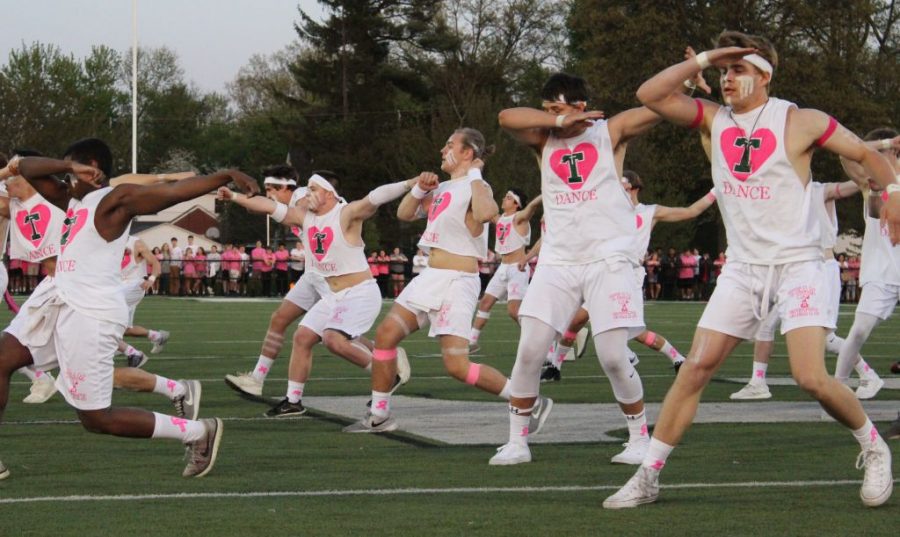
643,487
878,482
581,341
539,414
42,389
372,424
868,388
245,383
510,453
403,369
4,471
633,454
160,342
752,391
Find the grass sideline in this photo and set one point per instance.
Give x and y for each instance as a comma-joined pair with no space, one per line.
379,486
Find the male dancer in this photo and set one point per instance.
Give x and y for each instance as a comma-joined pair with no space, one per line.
84,316
135,282
761,150
587,256
513,235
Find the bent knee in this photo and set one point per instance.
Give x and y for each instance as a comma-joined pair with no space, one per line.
334,341
94,421
815,385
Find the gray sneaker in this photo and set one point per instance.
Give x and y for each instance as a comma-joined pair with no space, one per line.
188,405
4,471
137,359
202,453
371,424
539,414
160,342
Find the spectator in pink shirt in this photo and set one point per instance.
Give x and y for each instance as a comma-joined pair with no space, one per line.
268,265
282,257
200,268
686,264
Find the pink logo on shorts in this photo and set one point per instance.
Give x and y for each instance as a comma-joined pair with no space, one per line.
443,317
503,231
623,300
574,166
803,294
439,205
338,315
513,290
75,379
33,224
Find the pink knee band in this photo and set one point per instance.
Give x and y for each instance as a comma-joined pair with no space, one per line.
474,372
383,355
570,335
651,337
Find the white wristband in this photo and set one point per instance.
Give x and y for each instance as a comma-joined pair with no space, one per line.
280,212
474,173
151,278
703,60
559,120
885,143
418,192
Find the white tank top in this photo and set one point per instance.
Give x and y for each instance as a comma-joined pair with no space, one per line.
446,228
133,269
880,260
88,270
35,235
827,215
644,225
588,214
770,216
299,194
326,248
507,238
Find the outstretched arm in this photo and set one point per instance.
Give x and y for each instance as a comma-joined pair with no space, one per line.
856,172
664,92
149,178
140,249
527,213
679,214
531,126
281,213
365,208
39,172
836,191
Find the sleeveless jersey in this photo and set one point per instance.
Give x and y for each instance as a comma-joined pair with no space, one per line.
507,238
644,225
880,260
446,228
88,270
133,269
827,215
770,216
35,233
588,215
326,248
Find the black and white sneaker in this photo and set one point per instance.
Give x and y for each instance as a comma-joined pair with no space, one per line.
188,405
551,374
286,409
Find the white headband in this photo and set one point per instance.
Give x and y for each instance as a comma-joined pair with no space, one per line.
279,181
515,197
301,192
320,181
760,63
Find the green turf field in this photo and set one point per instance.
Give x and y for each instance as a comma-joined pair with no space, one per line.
304,477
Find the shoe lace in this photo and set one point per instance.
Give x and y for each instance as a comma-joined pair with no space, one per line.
179,405
870,459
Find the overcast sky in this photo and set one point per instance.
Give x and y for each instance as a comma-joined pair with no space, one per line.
213,38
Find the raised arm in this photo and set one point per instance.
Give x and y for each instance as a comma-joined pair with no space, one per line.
856,172
631,123
412,206
141,249
281,213
531,126
836,191
149,178
679,214
535,250
663,93
365,208
484,207
527,213
40,171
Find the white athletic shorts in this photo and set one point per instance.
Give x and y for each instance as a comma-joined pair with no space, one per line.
309,289
800,293
134,293
43,356
445,298
352,310
85,347
767,328
878,299
509,282
607,289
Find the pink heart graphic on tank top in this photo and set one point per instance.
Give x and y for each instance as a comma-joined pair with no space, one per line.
745,156
320,241
33,224
639,221
575,165
297,231
75,220
125,260
503,231
439,205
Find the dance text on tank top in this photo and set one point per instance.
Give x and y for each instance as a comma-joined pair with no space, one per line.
34,235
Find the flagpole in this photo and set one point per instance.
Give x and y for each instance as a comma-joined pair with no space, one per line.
134,62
